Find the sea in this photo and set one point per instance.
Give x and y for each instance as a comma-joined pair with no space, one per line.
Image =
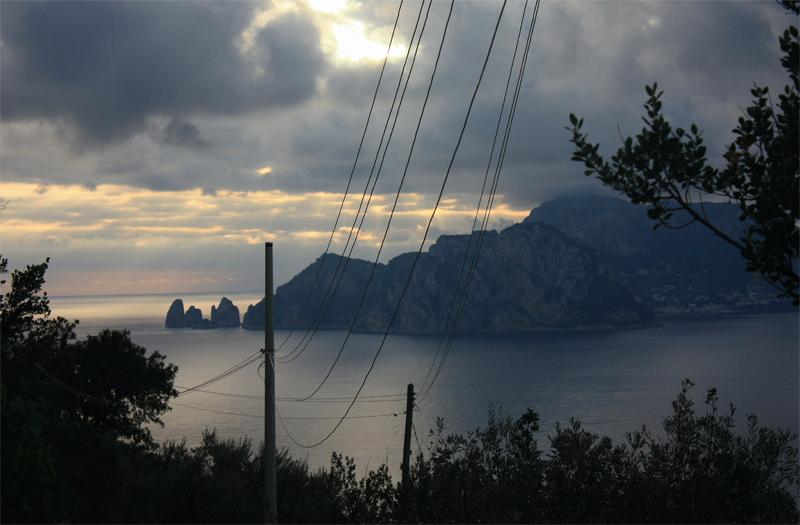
612,381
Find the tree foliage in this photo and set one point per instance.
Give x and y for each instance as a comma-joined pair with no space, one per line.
699,470
72,411
104,380
666,169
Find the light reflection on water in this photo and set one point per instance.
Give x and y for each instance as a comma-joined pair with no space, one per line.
613,381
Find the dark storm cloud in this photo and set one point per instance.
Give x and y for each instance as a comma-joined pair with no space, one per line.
104,68
179,132
108,68
593,59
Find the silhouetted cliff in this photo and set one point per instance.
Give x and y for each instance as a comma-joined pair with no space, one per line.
529,276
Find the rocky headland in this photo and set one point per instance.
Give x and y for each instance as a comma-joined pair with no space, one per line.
529,277
577,262
225,315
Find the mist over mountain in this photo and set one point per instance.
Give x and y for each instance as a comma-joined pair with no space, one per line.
673,271
623,233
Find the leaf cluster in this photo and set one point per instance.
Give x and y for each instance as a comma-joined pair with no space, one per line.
104,380
700,469
667,169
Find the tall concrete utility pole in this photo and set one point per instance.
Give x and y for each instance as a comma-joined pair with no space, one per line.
270,492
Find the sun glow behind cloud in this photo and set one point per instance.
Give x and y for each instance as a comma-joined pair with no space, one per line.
353,43
348,39
343,37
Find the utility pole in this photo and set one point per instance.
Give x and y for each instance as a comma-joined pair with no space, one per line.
407,438
405,485
270,493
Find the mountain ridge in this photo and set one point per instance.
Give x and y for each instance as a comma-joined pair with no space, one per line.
529,276
576,261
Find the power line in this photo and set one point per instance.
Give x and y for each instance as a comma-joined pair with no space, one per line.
61,384
185,390
352,171
376,398
292,418
223,375
436,205
480,199
419,447
357,416
182,389
435,208
461,273
74,391
498,172
495,182
390,398
215,411
282,420
242,365
254,397
330,291
386,230
438,201
484,224
344,261
382,398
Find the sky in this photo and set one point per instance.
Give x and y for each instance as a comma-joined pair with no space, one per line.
155,146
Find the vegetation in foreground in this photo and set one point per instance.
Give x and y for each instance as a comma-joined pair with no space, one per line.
75,449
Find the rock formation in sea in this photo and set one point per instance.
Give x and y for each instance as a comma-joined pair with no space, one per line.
226,315
176,318
194,317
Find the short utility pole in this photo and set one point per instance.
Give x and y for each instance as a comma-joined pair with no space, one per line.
270,492
407,437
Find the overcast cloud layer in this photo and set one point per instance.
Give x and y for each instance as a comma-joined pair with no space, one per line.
252,112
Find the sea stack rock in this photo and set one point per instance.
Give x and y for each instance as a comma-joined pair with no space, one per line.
194,317
226,315
175,316
254,317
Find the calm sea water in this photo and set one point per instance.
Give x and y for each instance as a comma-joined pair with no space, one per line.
613,381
